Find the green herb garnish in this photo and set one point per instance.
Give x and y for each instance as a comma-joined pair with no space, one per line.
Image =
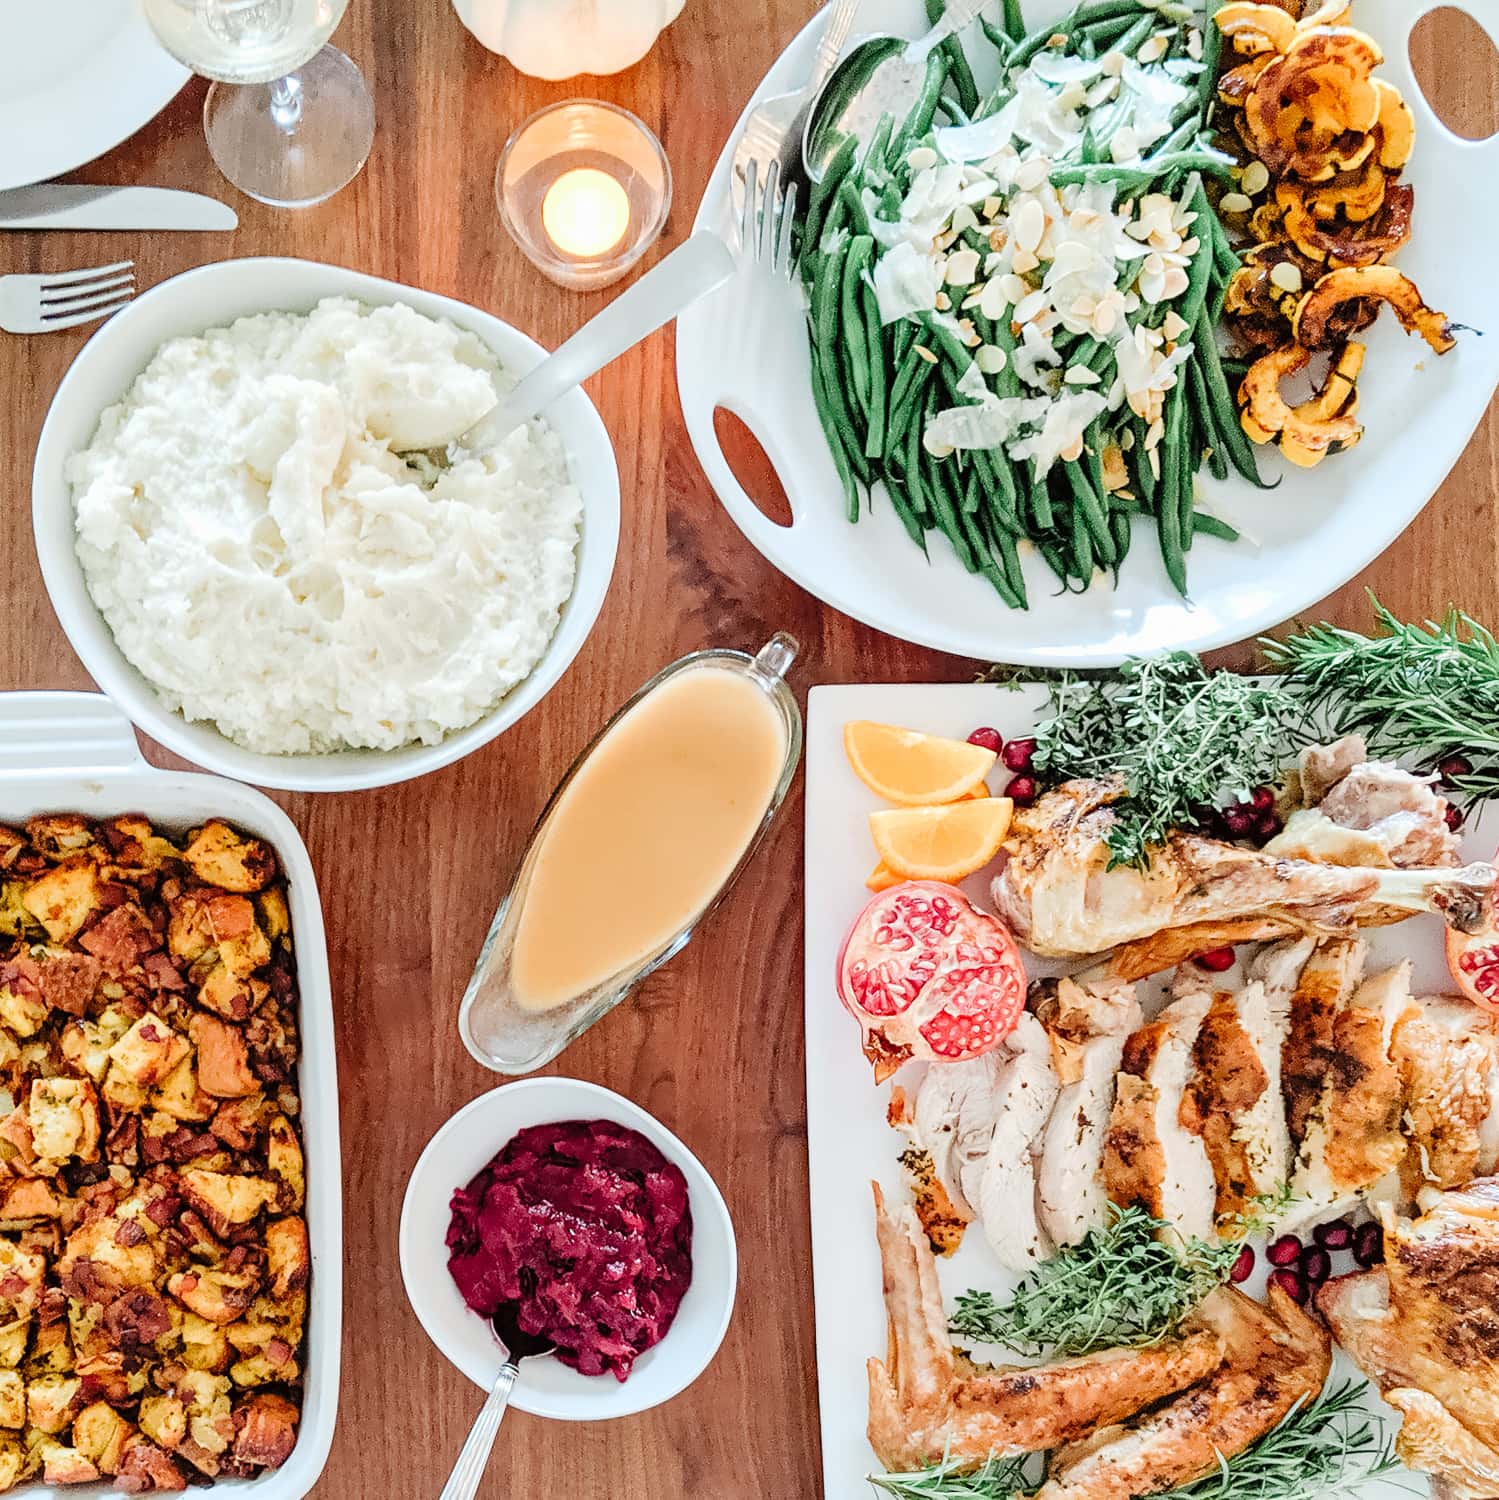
1182,737
997,1479
1421,691
1124,1284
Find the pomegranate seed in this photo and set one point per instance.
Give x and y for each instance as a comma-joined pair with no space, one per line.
1285,1251
1266,826
1455,818
1453,767
1215,960
1335,1236
1242,1266
1316,1264
1262,799
1022,790
987,739
1238,820
1368,1245
1019,754
1291,1283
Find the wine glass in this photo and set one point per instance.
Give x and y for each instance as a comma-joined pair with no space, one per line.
289,120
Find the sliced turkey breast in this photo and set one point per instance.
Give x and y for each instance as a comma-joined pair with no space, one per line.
1027,1089
1330,975
1232,1100
956,1107
1446,1051
1149,1157
1088,1023
1353,1137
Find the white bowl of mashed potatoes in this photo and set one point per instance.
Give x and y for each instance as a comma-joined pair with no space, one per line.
276,531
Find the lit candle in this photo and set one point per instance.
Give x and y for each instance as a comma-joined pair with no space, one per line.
585,212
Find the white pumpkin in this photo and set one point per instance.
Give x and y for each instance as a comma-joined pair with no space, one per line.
561,38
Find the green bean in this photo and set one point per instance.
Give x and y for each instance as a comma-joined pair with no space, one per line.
827,342
1212,53
1040,501
1088,507
960,74
1168,514
902,410
1131,178
911,363
1123,534
903,508
874,442
1211,526
947,518
853,205
1080,16
1010,560
972,493
855,350
1093,446
1138,33
823,192
875,152
1225,411
834,438
1187,463
999,482
1104,34
1082,553
1052,555
996,37
919,121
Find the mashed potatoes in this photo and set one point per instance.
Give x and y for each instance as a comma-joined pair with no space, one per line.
286,541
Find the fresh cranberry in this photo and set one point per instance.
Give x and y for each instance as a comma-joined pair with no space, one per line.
1262,799
1316,1264
1238,820
1019,754
987,739
1266,826
1291,1283
1455,817
1022,790
1215,960
1285,1251
1242,1266
1368,1245
1338,1235
1453,766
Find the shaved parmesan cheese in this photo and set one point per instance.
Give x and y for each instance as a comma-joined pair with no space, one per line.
905,282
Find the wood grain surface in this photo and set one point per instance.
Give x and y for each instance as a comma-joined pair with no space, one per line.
410,875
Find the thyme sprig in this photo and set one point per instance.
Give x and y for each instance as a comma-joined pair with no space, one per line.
1182,737
1422,691
1123,1285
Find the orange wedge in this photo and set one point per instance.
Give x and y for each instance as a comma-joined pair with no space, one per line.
911,768
941,843
882,877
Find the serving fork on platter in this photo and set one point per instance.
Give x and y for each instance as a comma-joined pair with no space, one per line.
773,129
64,299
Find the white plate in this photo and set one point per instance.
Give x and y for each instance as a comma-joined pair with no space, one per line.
76,79
546,1387
1314,532
848,1142
75,752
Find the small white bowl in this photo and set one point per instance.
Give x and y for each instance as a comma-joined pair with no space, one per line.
210,297
548,1388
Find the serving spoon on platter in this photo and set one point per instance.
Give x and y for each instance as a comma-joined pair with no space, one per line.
881,75
463,1482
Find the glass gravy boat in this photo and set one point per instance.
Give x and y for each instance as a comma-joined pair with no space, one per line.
510,1037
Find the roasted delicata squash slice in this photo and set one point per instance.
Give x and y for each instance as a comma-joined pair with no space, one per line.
1396,126
1254,29
1234,86
1307,433
1364,284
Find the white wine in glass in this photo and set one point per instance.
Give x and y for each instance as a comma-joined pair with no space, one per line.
289,120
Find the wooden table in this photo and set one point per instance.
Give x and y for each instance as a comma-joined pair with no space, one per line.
713,1044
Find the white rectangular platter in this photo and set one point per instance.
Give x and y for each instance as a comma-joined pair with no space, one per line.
849,1143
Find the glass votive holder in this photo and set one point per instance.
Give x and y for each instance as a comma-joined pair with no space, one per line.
583,187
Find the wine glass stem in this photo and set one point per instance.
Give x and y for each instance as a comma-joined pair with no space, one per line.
286,103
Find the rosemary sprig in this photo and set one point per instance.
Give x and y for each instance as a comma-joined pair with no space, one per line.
1125,1284
997,1479
1422,690
1181,736
1321,1448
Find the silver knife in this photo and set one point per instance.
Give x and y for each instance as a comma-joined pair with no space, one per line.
60,205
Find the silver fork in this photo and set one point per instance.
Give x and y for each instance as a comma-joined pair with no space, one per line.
772,131
766,220
44,304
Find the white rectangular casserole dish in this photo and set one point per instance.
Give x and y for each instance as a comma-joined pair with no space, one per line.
75,752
